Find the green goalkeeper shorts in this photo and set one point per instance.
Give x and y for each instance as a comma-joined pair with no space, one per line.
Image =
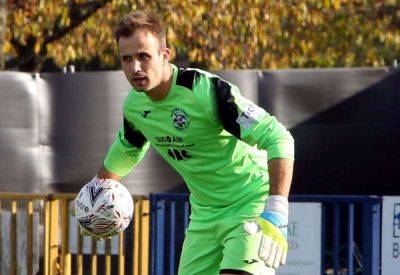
214,246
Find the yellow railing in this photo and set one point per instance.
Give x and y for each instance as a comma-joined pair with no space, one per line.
56,254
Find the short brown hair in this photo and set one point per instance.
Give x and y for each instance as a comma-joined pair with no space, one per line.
140,20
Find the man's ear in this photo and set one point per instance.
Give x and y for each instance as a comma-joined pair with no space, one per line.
166,52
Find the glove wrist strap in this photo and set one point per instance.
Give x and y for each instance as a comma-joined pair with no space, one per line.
278,204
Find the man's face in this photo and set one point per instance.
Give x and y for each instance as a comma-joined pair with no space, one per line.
142,60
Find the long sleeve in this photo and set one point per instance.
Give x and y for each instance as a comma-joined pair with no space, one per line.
244,119
128,149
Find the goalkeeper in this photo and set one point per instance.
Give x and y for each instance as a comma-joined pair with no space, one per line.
235,158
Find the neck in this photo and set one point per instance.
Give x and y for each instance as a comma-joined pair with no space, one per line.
161,91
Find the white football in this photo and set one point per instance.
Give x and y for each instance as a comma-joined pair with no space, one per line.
104,207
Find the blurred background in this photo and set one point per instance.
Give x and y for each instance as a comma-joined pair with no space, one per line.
327,69
39,35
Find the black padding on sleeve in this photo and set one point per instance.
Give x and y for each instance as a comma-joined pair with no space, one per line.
133,136
227,108
234,271
186,78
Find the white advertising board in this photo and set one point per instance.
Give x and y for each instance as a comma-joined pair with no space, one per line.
390,236
304,257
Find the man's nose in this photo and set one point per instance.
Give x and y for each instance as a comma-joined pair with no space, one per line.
136,66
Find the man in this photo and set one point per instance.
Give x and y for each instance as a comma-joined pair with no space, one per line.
230,152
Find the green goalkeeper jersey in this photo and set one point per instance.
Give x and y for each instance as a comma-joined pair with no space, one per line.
217,140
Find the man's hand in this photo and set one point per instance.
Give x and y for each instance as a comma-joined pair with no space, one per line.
273,224
274,246
84,232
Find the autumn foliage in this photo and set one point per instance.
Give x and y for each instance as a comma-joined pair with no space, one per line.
213,34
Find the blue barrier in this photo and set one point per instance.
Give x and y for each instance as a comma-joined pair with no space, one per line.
362,215
168,241
348,224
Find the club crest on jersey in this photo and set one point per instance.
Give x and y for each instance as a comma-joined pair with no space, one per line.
180,119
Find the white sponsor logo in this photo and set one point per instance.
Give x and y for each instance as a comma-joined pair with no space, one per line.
248,117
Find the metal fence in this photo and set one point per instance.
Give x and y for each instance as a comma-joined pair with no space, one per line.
37,233
38,227
350,232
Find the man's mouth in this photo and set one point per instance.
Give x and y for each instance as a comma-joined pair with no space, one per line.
138,77
138,80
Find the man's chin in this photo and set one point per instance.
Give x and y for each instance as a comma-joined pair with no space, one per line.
140,89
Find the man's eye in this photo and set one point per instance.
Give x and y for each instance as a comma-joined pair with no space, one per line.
144,56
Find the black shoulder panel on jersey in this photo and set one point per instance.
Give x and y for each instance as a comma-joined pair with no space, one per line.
227,108
133,136
186,78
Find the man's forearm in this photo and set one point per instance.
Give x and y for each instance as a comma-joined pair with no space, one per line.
105,174
280,176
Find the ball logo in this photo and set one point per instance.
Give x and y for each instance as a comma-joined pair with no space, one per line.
96,189
81,206
180,119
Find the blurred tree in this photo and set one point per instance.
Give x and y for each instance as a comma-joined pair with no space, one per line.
222,34
34,25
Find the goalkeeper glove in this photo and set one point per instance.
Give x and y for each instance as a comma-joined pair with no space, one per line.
273,224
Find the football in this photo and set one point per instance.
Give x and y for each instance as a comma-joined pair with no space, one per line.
104,207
